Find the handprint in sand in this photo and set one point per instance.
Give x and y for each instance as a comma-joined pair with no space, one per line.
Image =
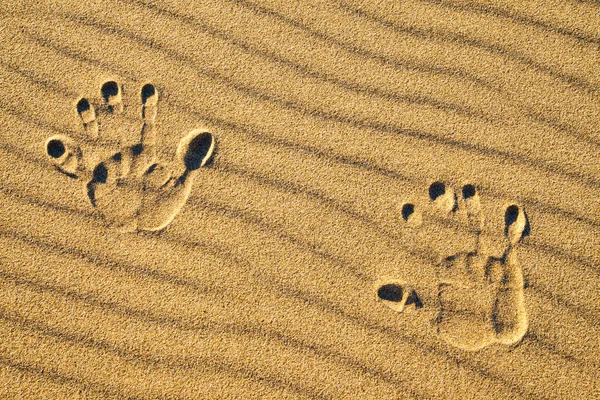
480,296
130,188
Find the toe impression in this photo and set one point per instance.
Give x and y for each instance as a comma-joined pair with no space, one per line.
149,97
64,154
398,296
111,93
195,149
443,198
515,223
88,117
471,202
411,215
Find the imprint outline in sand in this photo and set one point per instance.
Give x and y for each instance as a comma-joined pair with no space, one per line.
131,188
480,297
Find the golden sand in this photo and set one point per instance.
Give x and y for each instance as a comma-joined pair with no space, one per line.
320,199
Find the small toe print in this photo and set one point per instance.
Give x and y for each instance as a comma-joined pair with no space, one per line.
441,197
472,205
391,292
407,211
100,173
149,97
469,191
398,296
196,149
515,223
85,111
64,154
55,148
470,196
111,93
436,190
88,117
410,215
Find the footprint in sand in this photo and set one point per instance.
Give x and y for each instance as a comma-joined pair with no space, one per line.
132,190
479,296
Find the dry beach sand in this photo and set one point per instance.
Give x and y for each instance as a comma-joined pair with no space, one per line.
321,199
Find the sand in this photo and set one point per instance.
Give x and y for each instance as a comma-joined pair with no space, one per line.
319,199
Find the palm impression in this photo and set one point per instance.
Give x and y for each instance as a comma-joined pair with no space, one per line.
131,189
479,296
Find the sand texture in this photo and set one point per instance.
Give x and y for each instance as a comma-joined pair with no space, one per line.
267,199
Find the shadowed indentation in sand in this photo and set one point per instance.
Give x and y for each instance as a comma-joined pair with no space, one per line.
137,149
148,90
398,296
436,190
198,151
468,191
443,198
100,173
109,90
83,105
407,211
87,113
511,214
132,190
111,93
64,154
409,215
516,219
55,148
413,298
391,292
